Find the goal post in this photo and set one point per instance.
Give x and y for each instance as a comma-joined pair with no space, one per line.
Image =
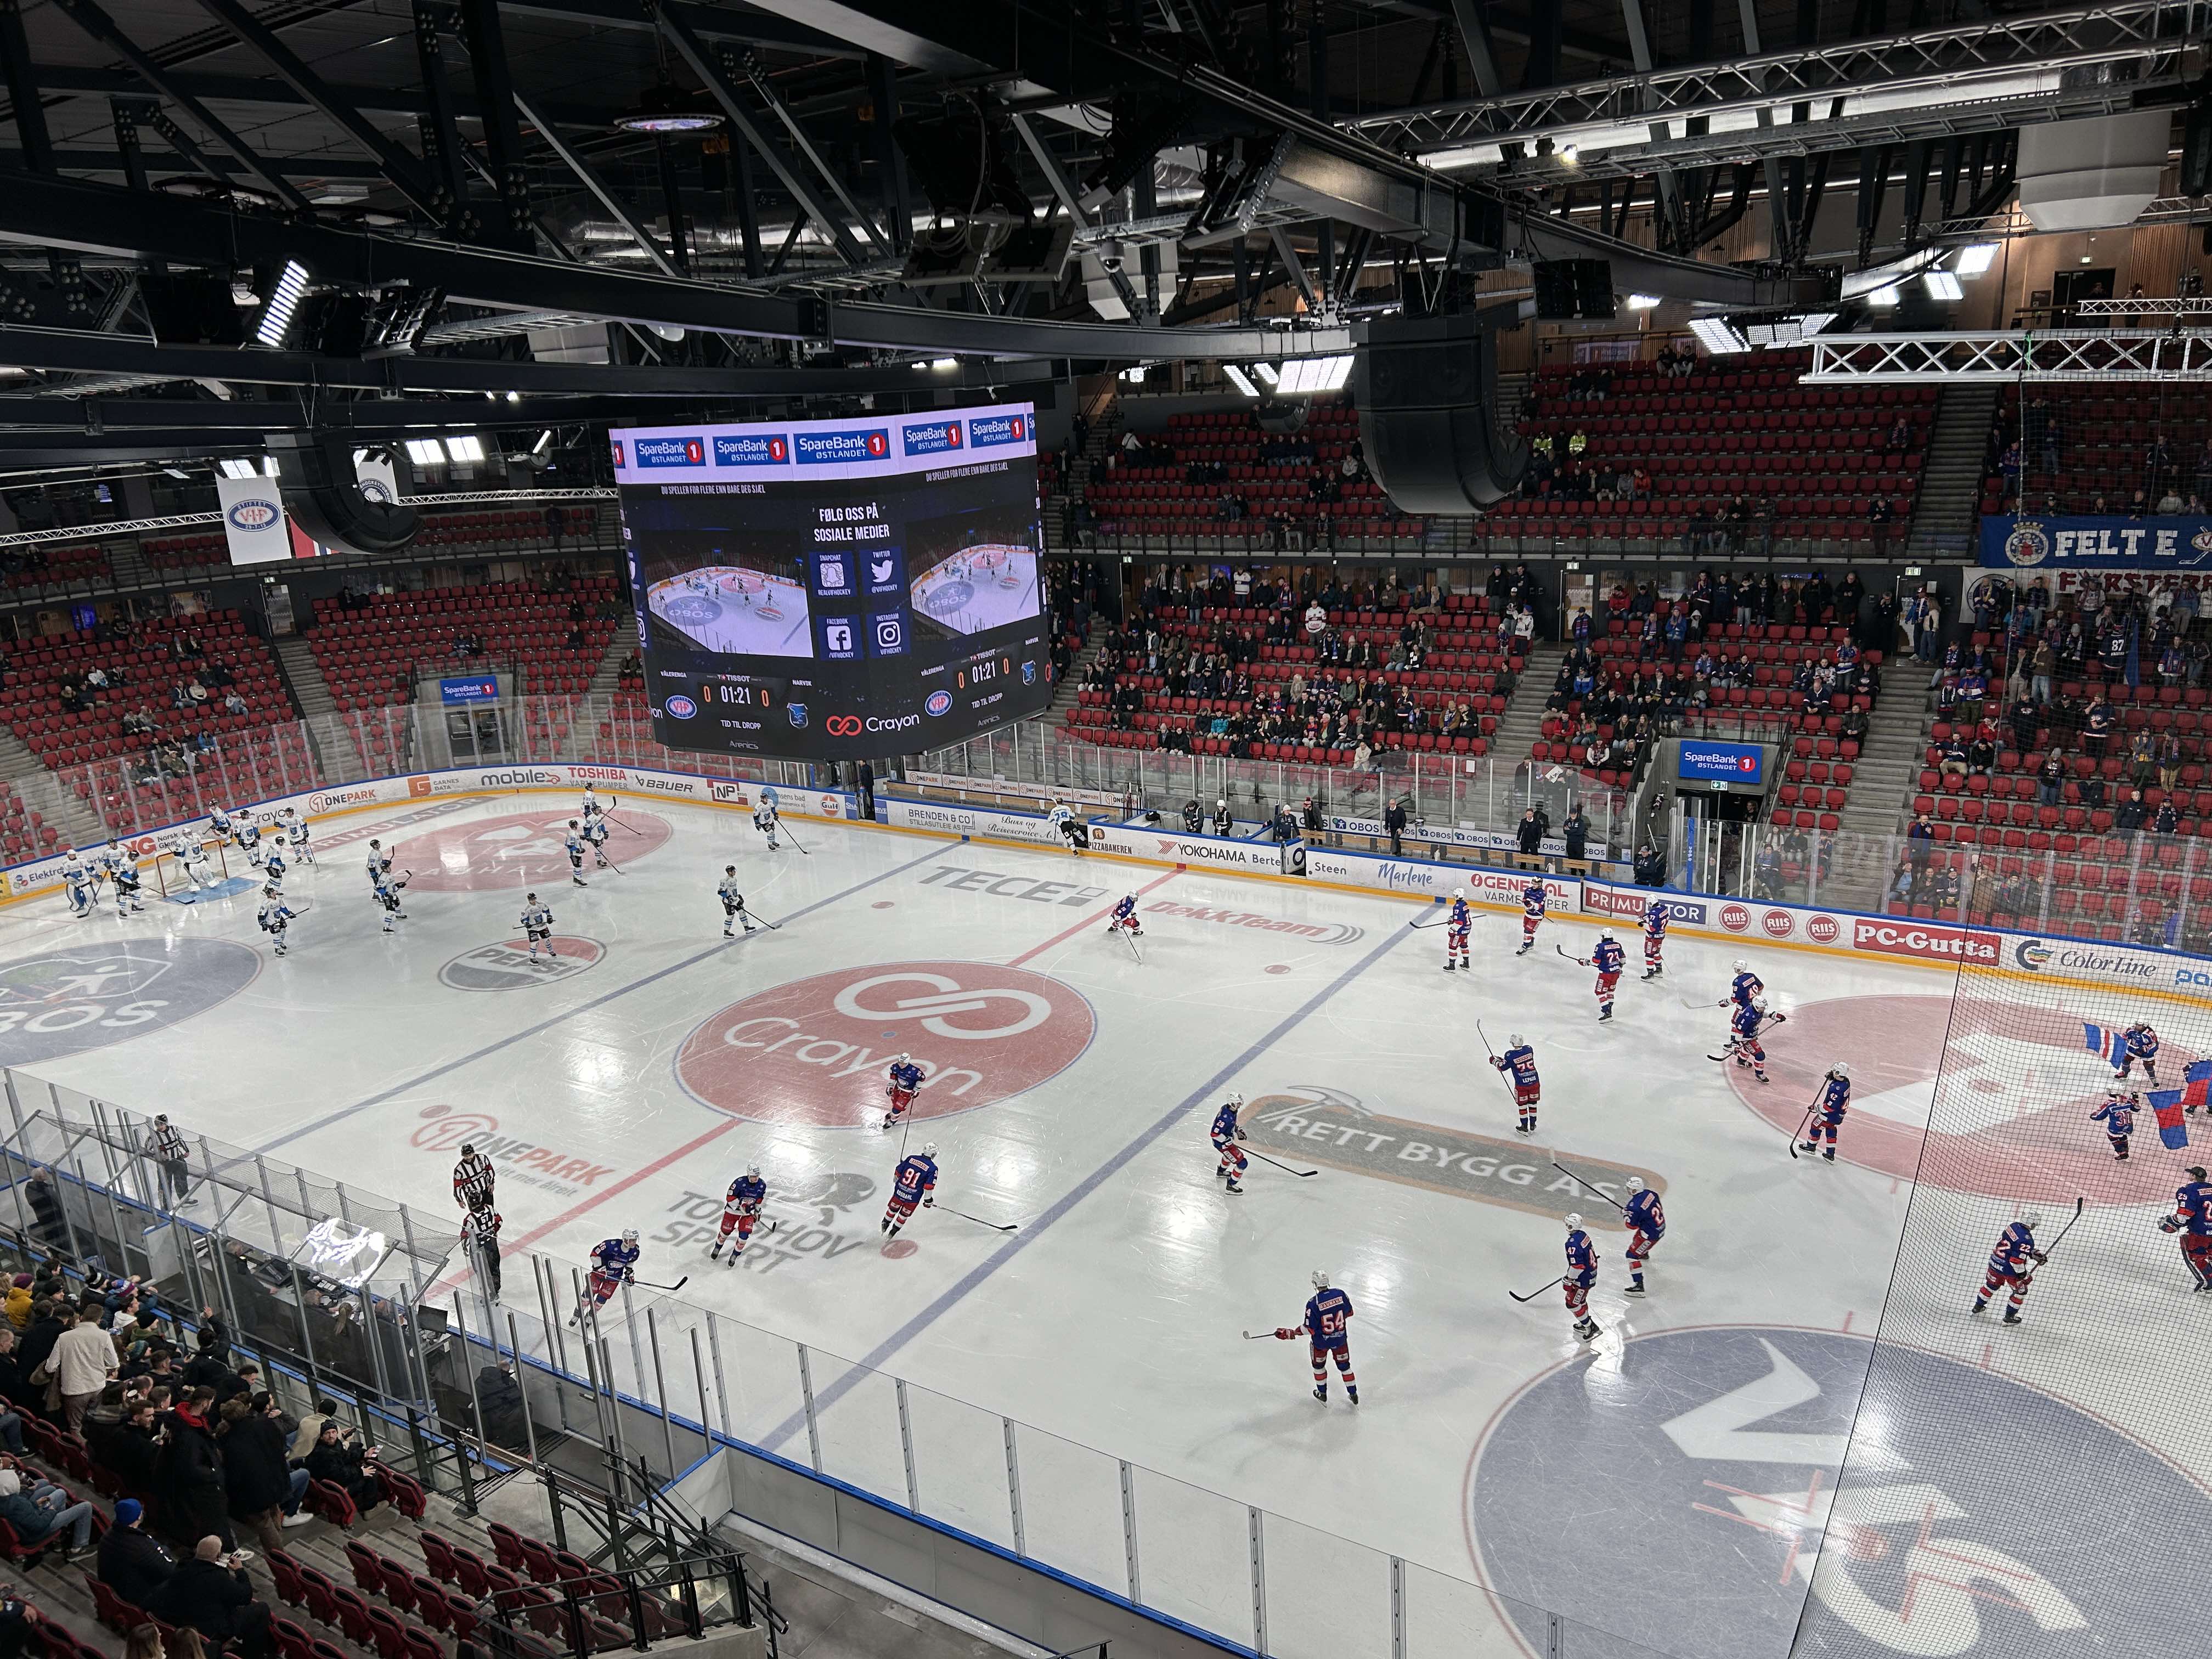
171,879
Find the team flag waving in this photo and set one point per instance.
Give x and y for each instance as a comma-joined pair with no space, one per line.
2168,1103
2104,1040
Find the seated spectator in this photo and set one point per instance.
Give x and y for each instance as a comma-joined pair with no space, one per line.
233,703
133,1562
38,1514
210,1593
1953,759
341,1460
2131,813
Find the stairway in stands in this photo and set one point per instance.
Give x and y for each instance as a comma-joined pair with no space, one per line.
1523,719
1948,509
1888,763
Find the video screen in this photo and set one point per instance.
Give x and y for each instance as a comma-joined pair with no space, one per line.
832,589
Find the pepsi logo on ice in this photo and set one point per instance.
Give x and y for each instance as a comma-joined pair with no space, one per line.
253,514
937,702
506,965
680,708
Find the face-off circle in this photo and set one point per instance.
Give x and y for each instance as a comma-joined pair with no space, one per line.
814,1051
2010,1110
510,852
1702,1474
77,997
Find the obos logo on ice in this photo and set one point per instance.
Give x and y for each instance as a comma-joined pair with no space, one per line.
253,514
937,702
680,708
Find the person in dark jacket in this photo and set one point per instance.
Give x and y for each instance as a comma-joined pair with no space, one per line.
38,1341
1575,829
1528,834
188,1475
133,1562
209,1367
47,1212
15,1381
212,1593
260,1485
343,1462
129,1450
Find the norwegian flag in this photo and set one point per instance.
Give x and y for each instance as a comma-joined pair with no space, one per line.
2103,1040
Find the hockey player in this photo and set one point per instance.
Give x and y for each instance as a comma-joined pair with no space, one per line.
1124,919
388,889
538,928
764,819
595,833
1532,915
1062,818
2009,1268
193,858
247,833
473,1179
274,866
913,1182
1326,1328
574,846
77,883
590,807
379,864
480,1245
2117,1114
2142,1048
276,916
1582,1273
733,903
1646,1218
294,829
741,1208
1518,1063
903,1079
1607,957
123,871
1826,1115
218,824
614,1264
1744,1025
1654,940
1458,924
1746,988
1224,821
2192,1219
1226,1133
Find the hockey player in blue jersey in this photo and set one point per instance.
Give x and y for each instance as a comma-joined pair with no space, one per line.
1328,1330
2142,1050
913,1182
1607,957
1746,988
2117,1114
1655,938
2192,1219
741,1209
1226,1133
1582,1273
1518,1063
1646,1218
1458,924
1744,1026
1532,915
1124,919
573,844
904,1079
1826,1115
2008,1267
536,925
614,1264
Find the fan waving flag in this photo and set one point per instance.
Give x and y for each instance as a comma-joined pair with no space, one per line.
2103,1040
2166,1104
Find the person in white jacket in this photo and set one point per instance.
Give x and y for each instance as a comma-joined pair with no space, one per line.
83,1360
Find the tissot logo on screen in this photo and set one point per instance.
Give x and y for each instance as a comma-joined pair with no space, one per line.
751,449
827,448
931,437
669,452
985,430
255,514
1720,763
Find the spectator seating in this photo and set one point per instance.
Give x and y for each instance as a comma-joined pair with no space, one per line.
40,564
367,654
1157,495
494,530
1817,455
2105,437
24,834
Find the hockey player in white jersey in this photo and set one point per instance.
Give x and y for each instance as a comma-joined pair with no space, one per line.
379,864
574,846
538,926
123,871
591,808
764,820
247,833
294,829
733,903
77,883
595,833
192,859
273,868
388,889
275,917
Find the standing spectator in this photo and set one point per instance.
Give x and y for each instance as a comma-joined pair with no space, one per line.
1880,515
1919,847
188,1474
1394,821
262,1492
83,1360
1575,830
864,784
1528,834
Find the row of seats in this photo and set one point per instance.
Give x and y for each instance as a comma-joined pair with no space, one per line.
75,565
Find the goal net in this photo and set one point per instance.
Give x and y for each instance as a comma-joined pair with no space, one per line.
172,878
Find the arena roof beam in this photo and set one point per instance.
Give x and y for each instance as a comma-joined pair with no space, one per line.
2005,357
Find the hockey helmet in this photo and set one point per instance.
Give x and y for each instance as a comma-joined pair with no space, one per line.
1514,1040
530,898
1605,935
1840,1070
1740,965
1234,1099
929,1149
374,845
1459,893
1634,1183
2196,1171
468,1149
1574,1220
904,1057
571,823
753,1169
1320,1279
270,891
630,1234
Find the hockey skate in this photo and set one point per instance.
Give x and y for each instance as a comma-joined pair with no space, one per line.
2012,1317
1635,1289
1586,1329
1232,1186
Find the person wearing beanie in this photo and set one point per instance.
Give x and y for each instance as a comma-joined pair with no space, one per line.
133,1562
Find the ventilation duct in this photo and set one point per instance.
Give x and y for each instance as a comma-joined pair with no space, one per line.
2092,174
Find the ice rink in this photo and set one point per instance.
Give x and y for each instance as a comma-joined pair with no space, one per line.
770,622
2032,1492
969,599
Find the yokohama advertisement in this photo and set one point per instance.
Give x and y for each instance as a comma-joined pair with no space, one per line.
1207,851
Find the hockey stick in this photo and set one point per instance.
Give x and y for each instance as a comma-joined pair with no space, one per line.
2062,1231
1694,1007
773,927
1764,1026
795,840
1538,1291
648,1285
1505,1081
1579,1181
1259,1336
994,1226
1438,922
1583,962
1801,1123
1301,1173
1132,941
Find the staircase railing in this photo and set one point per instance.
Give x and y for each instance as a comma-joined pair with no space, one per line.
679,1600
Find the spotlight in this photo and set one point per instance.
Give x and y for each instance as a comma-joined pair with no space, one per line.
663,109
1642,302
1973,261
465,449
284,301
1942,285
1237,378
1883,299
1718,336
426,452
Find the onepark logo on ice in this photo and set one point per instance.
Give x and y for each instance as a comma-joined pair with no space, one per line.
669,452
985,430
829,448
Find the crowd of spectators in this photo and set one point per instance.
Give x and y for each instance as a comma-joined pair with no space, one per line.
2027,452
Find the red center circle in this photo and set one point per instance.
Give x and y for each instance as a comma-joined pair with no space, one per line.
815,1051
2012,1086
515,850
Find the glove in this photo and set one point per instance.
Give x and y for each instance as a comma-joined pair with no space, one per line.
2040,1257
2167,1223
928,1203
1285,1334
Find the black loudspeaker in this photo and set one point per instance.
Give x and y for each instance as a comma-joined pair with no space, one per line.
2197,149
1425,388
1568,289
1594,288
322,494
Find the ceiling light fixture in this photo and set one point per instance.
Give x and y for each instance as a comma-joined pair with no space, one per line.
664,110
1237,378
426,452
1973,261
1642,302
1942,285
1718,336
284,301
